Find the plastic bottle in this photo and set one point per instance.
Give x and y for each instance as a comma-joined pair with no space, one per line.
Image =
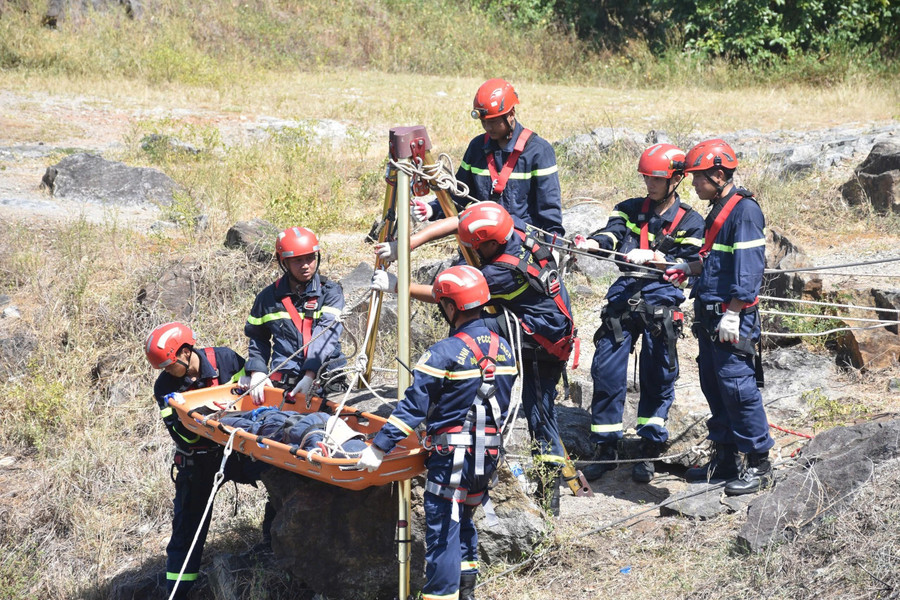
519,473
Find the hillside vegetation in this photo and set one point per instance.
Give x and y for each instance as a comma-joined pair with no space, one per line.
84,458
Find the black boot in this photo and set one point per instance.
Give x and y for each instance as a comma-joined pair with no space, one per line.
643,471
603,452
722,464
467,581
756,474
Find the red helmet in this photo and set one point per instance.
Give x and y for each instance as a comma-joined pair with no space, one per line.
484,221
661,160
296,241
165,341
463,284
710,154
494,98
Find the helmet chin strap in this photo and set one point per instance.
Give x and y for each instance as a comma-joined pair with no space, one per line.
719,187
290,275
668,195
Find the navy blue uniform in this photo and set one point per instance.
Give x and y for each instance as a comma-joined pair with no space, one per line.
632,302
541,372
198,460
733,269
274,336
532,192
446,381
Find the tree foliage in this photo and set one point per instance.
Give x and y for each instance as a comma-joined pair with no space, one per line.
753,30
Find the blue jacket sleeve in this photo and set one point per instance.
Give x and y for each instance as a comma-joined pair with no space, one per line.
615,229
545,196
259,348
749,247
413,408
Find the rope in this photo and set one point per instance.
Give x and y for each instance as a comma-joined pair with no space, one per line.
838,266
829,332
513,412
797,433
830,317
217,481
799,301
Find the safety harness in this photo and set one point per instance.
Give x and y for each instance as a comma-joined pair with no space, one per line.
498,180
185,458
304,322
473,436
536,264
663,242
636,314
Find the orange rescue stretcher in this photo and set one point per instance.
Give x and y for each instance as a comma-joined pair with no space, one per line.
197,410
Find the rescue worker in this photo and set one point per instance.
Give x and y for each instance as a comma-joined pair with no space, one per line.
522,277
461,388
653,230
296,319
171,347
726,321
509,165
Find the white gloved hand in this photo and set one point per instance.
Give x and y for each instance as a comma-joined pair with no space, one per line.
558,256
382,281
730,327
586,244
678,274
370,459
386,251
304,386
640,256
421,210
258,381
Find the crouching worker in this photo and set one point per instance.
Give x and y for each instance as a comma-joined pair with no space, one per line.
170,347
294,325
462,385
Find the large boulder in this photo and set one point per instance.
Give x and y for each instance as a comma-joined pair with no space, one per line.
341,543
256,238
172,292
91,178
835,466
876,181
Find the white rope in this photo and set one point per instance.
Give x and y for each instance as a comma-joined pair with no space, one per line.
829,332
799,301
512,412
217,481
831,317
824,267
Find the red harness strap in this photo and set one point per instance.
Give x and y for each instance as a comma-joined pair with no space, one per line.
498,181
710,237
562,348
487,364
211,357
645,226
305,324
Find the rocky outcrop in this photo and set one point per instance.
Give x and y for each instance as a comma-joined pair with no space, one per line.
172,293
340,543
256,238
91,178
876,182
835,466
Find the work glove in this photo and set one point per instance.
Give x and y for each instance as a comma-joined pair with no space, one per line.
586,244
382,281
243,382
730,327
678,274
421,210
370,459
258,381
640,256
386,251
304,386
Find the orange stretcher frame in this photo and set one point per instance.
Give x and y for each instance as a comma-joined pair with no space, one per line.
194,408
